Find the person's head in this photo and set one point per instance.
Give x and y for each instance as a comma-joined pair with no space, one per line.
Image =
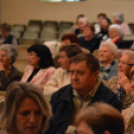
82,22
8,54
100,16
107,52
25,111
84,70
66,53
114,31
89,30
69,38
5,29
99,118
105,23
126,62
79,17
118,18
39,56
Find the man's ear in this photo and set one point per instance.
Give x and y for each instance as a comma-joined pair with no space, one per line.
96,73
106,132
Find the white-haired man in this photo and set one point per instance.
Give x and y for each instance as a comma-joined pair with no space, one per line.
115,34
108,65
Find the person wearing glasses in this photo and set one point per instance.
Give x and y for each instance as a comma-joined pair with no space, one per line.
121,84
8,73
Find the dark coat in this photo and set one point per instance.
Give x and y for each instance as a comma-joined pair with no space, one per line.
5,80
8,39
124,44
91,45
62,106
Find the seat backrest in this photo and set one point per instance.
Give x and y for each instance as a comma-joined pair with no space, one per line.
20,28
30,35
17,34
33,29
49,35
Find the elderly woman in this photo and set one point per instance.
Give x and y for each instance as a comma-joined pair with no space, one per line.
121,84
128,114
105,23
29,111
100,118
108,64
8,73
115,35
69,38
118,18
80,25
5,37
41,66
89,41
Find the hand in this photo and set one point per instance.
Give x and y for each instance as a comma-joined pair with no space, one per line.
124,82
2,67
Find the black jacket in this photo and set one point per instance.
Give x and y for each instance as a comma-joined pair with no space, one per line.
124,44
62,106
8,39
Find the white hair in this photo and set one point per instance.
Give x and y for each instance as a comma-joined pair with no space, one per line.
84,20
117,27
111,46
130,54
119,16
12,51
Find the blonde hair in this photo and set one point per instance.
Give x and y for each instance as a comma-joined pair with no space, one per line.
16,93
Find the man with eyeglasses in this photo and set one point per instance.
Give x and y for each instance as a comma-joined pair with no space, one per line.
121,84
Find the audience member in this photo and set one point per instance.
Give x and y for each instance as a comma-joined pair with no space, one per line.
128,113
108,64
8,73
75,26
85,88
61,76
89,41
118,18
115,34
81,23
121,84
100,118
97,25
5,37
69,38
41,65
25,111
105,23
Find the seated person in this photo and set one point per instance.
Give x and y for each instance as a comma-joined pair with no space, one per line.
118,18
121,84
8,73
103,34
128,113
85,88
5,37
26,111
61,76
40,66
100,118
69,38
81,23
75,26
89,41
108,64
115,34
98,24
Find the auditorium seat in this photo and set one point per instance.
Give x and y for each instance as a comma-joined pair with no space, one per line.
28,41
20,28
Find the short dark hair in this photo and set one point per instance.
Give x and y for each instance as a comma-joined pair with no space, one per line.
101,14
6,27
71,50
72,37
91,61
108,20
101,117
90,26
44,53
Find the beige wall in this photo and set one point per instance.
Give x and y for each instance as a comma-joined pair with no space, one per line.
20,11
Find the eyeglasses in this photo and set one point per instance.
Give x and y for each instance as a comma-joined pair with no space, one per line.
125,63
